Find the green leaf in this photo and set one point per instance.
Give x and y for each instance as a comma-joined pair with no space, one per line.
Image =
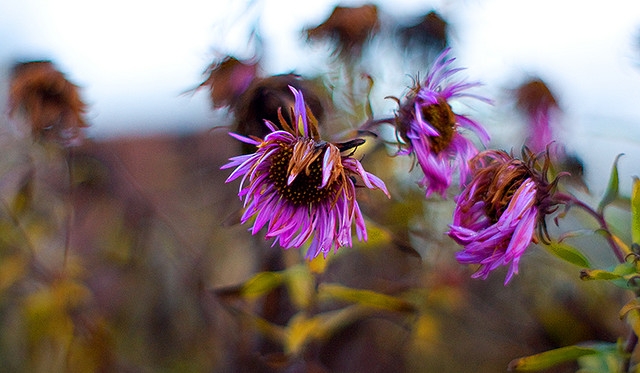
633,304
611,193
633,319
550,358
261,284
24,197
635,211
301,329
300,283
568,253
620,275
598,274
365,297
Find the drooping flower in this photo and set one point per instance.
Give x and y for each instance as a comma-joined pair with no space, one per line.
427,35
300,187
349,28
228,79
502,210
539,105
265,96
430,130
48,102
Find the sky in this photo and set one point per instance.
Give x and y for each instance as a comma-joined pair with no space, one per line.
134,59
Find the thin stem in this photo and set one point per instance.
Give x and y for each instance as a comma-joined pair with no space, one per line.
629,345
571,200
632,339
67,239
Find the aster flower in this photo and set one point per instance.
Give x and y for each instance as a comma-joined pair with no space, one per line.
502,210
430,130
300,187
535,100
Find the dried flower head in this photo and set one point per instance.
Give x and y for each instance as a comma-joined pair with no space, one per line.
429,33
502,210
262,100
300,187
228,79
349,28
430,129
48,101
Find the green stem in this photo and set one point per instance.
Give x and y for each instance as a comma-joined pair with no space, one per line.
599,217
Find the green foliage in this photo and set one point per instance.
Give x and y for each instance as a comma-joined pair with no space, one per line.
365,298
635,211
622,275
568,253
611,194
551,358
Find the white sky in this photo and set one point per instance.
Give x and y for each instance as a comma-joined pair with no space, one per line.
133,58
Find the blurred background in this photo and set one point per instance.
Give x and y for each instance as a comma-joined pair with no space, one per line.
134,60
123,254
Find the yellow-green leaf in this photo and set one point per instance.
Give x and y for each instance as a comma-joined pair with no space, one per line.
301,329
622,275
633,319
549,358
633,304
635,211
611,193
300,283
261,284
598,274
568,253
365,297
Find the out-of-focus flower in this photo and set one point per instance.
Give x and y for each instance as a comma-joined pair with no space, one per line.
539,105
264,97
50,104
301,187
502,210
541,109
349,28
430,130
429,33
228,79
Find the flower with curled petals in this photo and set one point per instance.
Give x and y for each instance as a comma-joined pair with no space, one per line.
430,130
502,210
301,188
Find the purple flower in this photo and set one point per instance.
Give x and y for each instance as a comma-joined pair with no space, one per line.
300,187
431,130
537,102
499,210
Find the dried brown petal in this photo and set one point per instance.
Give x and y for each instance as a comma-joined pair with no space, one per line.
228,79
350,28
48,101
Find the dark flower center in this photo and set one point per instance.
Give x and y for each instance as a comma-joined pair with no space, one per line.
305,187
442,119
497,203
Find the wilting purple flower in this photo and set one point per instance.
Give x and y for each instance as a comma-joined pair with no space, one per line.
537,102
499,210
431,130
301,187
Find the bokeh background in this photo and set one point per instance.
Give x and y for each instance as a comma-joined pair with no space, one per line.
124,254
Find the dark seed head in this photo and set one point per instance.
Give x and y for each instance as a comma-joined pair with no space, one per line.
305,189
